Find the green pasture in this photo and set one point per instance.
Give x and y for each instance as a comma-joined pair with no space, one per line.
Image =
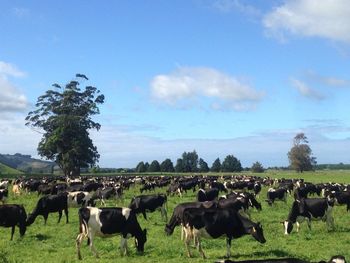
56,242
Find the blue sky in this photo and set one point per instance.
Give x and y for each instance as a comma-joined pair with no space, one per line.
218,76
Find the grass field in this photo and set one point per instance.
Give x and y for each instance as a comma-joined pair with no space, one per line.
56,242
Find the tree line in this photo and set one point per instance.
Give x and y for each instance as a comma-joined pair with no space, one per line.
191,163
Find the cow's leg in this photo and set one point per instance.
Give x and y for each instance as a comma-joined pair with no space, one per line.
308,220
66,213
92,247
187,242
59,216
123,246
298,226
199,245
228,247
78,241
144,214
46,215
182,232
164,213
12,232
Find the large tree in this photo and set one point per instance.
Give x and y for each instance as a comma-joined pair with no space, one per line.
203,166
300,155
216,167
154,167
64,116
167,166
190,161
231,164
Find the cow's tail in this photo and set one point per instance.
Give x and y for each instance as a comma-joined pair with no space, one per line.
84,215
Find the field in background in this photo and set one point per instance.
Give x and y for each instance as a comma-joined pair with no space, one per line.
56,242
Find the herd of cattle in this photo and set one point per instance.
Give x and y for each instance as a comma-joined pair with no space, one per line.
222,206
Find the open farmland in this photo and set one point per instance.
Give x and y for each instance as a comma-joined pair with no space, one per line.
56,242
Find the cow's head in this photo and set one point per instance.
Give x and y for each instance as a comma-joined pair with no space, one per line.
140,241
288,227
258,233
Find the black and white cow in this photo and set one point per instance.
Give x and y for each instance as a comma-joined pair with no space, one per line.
13,215
107,222
307,209
106,193
4,193
341,198
276,194
177,216
214,223
49,204
143,203
207,195
80,199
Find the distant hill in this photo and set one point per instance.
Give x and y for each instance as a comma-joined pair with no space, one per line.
26,163
4,169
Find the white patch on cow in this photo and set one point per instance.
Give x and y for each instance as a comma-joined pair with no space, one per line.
202,190
200,233
94,221
271,190
285,223
338,260
126,212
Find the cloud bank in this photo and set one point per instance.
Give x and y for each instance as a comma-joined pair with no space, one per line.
189,84
11,99
328,19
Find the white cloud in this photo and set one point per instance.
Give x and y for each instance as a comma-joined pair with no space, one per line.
11,99
306,91
7,69
192,83
328,19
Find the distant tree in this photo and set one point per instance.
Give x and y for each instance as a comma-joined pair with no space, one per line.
190,161
64,115
146,166
167,166
299,156
257,168
216,167
154,167
179,167
231,164
141,168
203,166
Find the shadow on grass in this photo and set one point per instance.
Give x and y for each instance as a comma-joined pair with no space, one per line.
41,237
266,254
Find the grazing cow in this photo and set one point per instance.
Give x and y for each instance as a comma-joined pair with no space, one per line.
106,193
334,259
207,195
307,209
276,194
341,198
4,193
218,185
177,216
106,222
4,184
143,203
257,189
49,204
13,215
214,223
80,199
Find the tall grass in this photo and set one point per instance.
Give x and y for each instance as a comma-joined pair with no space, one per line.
56,242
